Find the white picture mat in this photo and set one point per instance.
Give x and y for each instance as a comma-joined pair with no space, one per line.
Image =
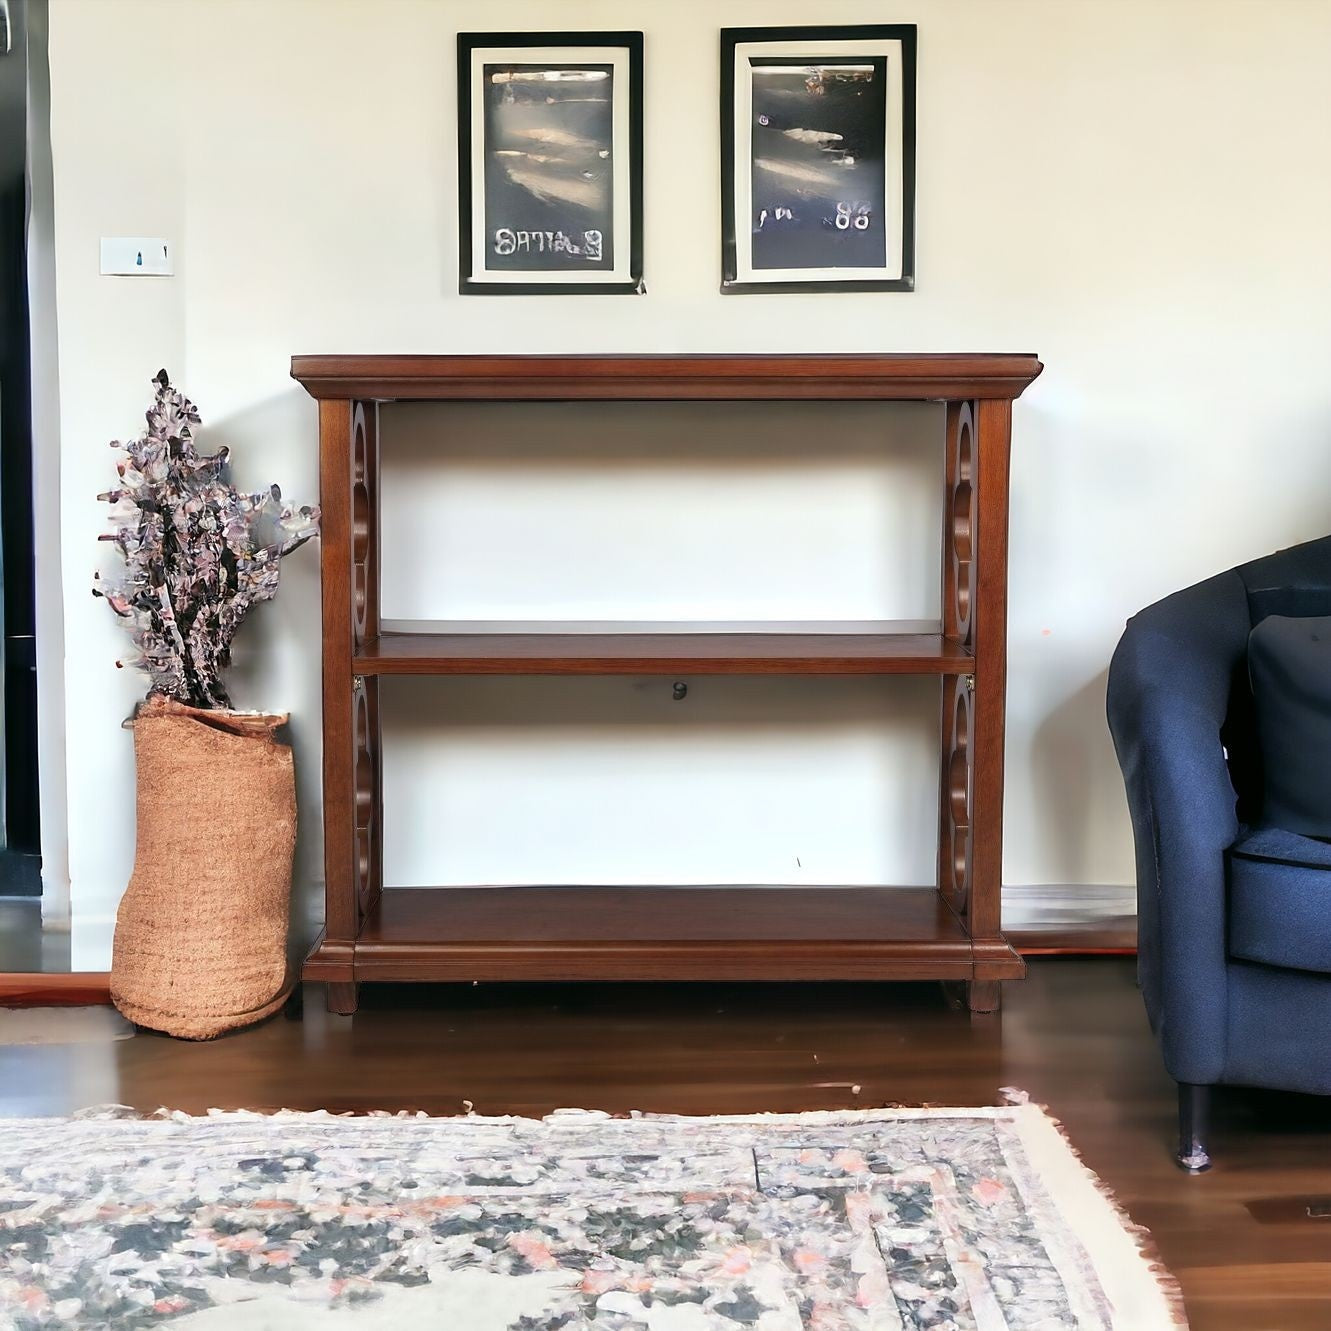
621,158
894,179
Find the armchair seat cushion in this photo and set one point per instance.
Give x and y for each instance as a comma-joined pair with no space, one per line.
1280,900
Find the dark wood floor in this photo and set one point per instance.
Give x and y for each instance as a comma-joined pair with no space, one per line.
1073,1035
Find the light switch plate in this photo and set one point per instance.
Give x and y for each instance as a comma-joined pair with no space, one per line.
136,256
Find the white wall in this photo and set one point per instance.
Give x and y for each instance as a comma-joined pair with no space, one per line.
1132,190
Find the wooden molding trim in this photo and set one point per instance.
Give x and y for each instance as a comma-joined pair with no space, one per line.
936,377
55,989
1112,939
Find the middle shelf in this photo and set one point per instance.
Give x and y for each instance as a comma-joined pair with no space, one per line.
869,647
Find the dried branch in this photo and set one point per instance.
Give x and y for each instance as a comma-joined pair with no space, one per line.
198,554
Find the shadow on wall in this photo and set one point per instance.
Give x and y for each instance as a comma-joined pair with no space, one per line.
1072,767
276,659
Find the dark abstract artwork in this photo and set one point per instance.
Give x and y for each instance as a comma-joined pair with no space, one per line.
550,163
818,158
549,167
818,134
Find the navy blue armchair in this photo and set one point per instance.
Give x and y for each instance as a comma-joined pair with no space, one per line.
1234,920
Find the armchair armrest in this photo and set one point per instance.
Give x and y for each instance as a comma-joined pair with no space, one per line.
1170,685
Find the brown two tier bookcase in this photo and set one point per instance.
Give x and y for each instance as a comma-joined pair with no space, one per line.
950,932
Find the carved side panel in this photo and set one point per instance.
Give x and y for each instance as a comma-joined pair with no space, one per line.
364,520
959,534
955,852
957,714
369,795
365,625
348,497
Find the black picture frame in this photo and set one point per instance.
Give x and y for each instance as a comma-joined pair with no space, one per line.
815,37
471,191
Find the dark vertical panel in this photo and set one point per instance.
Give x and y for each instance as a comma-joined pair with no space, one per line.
16,511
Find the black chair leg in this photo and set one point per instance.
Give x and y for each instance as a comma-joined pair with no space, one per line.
1194,1127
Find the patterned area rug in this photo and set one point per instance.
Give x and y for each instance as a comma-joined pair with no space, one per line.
891,1220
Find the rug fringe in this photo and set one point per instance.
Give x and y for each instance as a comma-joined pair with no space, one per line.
1143,1240
110,1112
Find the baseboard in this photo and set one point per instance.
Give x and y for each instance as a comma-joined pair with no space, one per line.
1112,939
1057,920
55,989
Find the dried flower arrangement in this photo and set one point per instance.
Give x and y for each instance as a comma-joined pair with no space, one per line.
198,553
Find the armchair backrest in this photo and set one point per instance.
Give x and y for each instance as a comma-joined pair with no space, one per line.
1294,582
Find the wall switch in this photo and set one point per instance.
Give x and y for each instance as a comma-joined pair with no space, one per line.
136,256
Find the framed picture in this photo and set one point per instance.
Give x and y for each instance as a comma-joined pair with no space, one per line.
550,162
818,158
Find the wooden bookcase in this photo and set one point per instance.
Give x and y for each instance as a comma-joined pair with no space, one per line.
952,932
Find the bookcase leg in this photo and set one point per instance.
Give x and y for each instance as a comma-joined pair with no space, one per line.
992,431
973,995
342,997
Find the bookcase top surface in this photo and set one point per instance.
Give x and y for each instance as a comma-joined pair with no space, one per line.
929,377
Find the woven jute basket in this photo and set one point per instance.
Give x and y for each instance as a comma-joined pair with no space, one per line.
201,933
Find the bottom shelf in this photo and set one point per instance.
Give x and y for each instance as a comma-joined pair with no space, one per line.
663,933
